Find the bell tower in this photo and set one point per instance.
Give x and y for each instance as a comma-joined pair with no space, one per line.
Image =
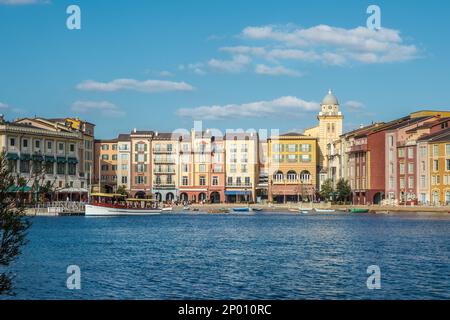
330,128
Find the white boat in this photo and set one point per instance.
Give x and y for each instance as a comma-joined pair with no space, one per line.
167,209
100,210
118,205
324,210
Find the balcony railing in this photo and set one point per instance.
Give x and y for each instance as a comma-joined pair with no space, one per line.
164,161
291,181
239,185
163,185
164,172
163,150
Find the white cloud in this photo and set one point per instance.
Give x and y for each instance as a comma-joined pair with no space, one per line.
166,73
4,107
235,65
276,71
131,84
23,2
283,106
244,50
105,108
354,105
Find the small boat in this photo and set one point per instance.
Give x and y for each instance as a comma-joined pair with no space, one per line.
167,209
324,210
246,209
104,204
382,212
220,210
305,211
186,208
257,209
293,210
359,210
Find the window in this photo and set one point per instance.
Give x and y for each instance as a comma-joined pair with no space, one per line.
410,168
37,144
24,166
402,168
435,150
306,148
12,142
411,182
124,167
276,147
114,156
141,168
114,167
410,152
124,179
402,183
202,180
447,150
232,168
401,152
435,165
105,147
230,181
105,167
25,143
306,158
140,180
105,157
423,151
292,158
438,179
72,147
422,181
169,148
61,168
72,168
247,181
238,181
292,147
215,180
202,168
391,141
141,147
114,146
447,164
61,146
49,167
244,168
49,145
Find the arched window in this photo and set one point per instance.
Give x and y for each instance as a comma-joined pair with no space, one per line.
292,175
305,176
436,197
278,176
447,197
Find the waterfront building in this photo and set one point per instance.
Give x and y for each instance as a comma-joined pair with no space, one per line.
202,167
329,130
242,166
106,154
43,155
165,166
292,167
124,161
85,148
141,167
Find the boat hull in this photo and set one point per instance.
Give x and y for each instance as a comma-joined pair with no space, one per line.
93,210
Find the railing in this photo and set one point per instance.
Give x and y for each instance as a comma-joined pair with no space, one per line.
164,160
164,172
163,185
291,181
240,185
62,206
162,150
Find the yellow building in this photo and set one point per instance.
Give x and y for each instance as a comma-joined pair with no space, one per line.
439,156
292,167
106,155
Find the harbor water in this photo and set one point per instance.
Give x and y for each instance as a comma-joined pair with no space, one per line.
236,256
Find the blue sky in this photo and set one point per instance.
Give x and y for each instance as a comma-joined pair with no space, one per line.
233,64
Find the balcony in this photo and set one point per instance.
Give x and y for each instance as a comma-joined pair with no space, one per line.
358,148
163,185
163,151
239,185
164,172
291,181
164,161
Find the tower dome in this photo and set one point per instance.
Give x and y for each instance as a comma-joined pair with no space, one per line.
330,99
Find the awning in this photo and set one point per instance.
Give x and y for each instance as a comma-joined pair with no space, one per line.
50,159
72,190
19,189
25,157
12,156
72,160
237,193
61,160
37,157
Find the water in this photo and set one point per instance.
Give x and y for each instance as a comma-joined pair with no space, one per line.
268,256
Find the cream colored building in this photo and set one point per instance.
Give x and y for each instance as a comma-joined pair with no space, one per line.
124,161
329,130
50,156
242,166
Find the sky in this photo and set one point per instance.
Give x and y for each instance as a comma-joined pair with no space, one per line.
160,65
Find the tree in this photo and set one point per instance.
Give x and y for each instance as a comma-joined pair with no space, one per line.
343,190
122,190
13,223
327,190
